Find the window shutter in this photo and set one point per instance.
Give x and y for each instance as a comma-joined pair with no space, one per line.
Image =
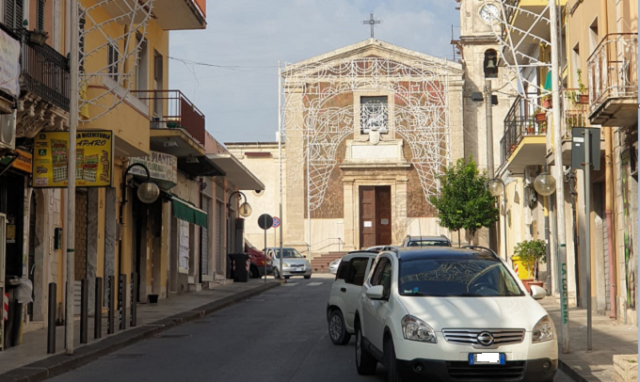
19,14
40,21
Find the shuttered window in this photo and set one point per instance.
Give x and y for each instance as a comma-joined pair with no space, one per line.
40,15
113,62
13,13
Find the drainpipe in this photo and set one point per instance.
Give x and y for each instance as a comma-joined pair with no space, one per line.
609,203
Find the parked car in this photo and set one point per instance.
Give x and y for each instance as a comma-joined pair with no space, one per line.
426,241
341,307
294,263
450,313
257,267
335,264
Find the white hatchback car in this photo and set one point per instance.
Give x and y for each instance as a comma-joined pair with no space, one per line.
452,314
341,308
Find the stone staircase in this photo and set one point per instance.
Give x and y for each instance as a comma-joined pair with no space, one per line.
320,263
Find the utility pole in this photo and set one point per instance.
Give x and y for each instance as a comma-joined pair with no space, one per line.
559,175
488,102
280,159
71,174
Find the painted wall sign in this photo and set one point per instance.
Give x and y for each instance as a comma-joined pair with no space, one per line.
368,224
94,159
10,64
163,169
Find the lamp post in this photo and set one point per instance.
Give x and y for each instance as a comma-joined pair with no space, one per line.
148,192
545,185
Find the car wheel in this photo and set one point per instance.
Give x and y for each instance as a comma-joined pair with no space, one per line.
337,330
276,273
307,277
286,277
365,363
253,272
391,363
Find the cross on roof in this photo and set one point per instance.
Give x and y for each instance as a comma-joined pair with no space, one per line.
372,22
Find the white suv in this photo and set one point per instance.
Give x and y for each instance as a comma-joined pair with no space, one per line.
452,314
341,308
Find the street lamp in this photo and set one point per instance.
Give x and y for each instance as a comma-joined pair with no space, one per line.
545,184
495,187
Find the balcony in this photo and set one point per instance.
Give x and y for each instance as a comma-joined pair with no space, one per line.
44,87
178,129
524,140
613,80
169,14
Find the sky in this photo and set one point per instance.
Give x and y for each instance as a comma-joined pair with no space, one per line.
238,88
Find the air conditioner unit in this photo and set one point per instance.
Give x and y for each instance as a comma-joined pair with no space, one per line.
8,131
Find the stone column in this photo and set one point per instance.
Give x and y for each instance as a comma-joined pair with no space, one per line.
350,210
399,209
456,120
296,192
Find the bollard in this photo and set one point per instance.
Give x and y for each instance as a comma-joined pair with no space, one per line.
134,298
111,296
84,311
97,317
122,302
51,329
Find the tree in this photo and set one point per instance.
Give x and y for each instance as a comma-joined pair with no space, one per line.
464,201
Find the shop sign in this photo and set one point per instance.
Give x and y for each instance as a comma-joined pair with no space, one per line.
163,169
94,159
10,64
23,162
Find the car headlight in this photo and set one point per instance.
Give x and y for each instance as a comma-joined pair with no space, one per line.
414,329
286,265
544,330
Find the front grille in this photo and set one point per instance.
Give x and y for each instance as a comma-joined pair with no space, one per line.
470,336
462,371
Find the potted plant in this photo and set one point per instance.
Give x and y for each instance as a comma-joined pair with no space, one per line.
542,128
541,116
530,253
583,96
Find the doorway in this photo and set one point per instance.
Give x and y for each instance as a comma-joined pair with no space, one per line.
375,216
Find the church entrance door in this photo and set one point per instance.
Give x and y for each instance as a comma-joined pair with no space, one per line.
375,216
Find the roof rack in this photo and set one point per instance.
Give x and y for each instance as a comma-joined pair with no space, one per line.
485,249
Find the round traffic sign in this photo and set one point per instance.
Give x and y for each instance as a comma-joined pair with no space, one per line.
276,222
265,221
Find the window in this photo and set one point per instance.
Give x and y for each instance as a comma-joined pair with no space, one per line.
357,270
40,15
13,13
142,68
343,270
575,54
374,114
382,276
113,61
158,84
593,36
490,64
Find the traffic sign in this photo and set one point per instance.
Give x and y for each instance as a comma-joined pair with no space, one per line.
265,221
276,222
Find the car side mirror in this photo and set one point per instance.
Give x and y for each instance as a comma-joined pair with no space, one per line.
376,292
538,293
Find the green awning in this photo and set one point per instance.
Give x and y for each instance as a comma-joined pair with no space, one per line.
186,211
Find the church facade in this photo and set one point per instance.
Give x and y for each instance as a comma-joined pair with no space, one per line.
367,129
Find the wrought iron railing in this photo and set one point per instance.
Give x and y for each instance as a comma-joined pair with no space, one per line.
523,119
172,109
575,111
613,69
45,72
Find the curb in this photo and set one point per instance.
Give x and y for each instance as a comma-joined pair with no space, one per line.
62,363
568,370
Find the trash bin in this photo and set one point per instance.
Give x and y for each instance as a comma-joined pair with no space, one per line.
240,268
12,325
519,268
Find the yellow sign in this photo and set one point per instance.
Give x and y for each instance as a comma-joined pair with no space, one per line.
23,162
94,159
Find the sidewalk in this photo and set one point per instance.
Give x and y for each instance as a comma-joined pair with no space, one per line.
30,361
609,338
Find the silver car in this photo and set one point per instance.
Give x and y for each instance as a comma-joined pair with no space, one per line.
294,263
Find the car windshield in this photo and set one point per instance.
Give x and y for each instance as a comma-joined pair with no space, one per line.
289,253
427,243
462,277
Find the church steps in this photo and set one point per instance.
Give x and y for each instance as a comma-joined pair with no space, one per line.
320,264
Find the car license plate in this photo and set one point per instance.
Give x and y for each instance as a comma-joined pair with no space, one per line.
487,359
300,269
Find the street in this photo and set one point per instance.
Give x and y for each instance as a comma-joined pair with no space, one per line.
280,335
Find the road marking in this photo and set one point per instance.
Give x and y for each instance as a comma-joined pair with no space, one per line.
290,284
314,284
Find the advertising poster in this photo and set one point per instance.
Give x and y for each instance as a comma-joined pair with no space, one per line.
94,159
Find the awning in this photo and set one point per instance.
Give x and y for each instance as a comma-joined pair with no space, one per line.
186,211
236,172
191,155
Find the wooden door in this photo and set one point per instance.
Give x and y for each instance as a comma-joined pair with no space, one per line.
367,216
383,215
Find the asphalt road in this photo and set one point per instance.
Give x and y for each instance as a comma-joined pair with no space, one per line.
279,336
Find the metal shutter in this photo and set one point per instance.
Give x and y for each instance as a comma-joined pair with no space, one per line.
40,20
